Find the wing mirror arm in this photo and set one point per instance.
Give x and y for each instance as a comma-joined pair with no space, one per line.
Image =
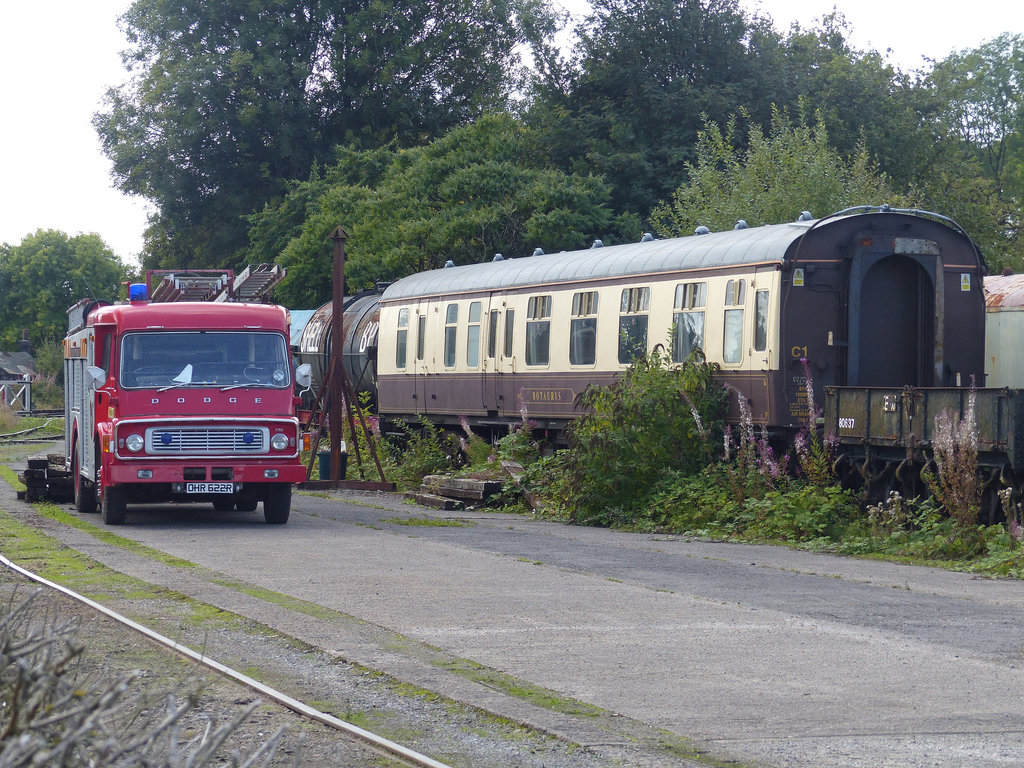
304,378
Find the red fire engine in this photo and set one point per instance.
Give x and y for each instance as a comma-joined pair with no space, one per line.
181,401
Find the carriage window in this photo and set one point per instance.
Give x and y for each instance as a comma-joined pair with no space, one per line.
538,330
732,342
633,323
451,325
403,338
492,334
510,316
473,336
761,321
421,335
688,320
583,329
734,293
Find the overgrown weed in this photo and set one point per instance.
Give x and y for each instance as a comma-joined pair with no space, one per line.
55,712
954,481
642,457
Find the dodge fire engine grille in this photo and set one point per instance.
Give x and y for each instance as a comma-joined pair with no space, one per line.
203,441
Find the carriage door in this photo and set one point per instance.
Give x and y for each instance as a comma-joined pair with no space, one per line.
895,315
489,353
498,380
420,352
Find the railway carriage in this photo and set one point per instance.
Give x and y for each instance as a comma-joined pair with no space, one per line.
869,297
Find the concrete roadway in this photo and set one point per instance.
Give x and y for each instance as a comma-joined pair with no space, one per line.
762,654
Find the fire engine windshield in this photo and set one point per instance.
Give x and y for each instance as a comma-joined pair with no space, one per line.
170,359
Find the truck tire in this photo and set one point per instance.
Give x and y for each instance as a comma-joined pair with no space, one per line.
113,507
85,492
277,503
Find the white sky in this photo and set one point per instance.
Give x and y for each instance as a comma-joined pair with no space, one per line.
58,56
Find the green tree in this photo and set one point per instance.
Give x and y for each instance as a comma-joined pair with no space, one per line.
628,105
866,103
767,179
482,189
981,89
47,273
978,172
227,100
657,418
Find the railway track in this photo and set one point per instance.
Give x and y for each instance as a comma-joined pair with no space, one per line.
29,436
394,751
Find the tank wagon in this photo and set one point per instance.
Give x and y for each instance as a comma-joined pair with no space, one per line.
361,314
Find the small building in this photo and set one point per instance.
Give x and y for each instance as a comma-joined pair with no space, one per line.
1004,331
17,366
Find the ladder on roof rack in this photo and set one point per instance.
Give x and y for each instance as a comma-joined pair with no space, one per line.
251,284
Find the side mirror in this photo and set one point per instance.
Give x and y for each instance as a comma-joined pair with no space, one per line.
98,376
304,376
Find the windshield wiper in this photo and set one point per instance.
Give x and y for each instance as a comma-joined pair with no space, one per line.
182,379
248,384
187,384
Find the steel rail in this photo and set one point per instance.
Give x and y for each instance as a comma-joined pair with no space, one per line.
379,742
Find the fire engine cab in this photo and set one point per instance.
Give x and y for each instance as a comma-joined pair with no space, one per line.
187,401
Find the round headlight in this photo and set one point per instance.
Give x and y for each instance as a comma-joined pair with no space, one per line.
134,443
279,442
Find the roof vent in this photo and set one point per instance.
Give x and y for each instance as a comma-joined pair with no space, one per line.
448,264
741,224
805,216
498,257
702,231
647,237
538,251
597,244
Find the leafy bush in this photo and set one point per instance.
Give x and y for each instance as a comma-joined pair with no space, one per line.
801,513
423,451
705,504
477,451
520,445
917,529
657,417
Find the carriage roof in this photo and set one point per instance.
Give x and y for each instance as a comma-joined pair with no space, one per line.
739,247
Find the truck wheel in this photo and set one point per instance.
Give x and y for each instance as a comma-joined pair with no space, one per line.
113,507
85,492
277,503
